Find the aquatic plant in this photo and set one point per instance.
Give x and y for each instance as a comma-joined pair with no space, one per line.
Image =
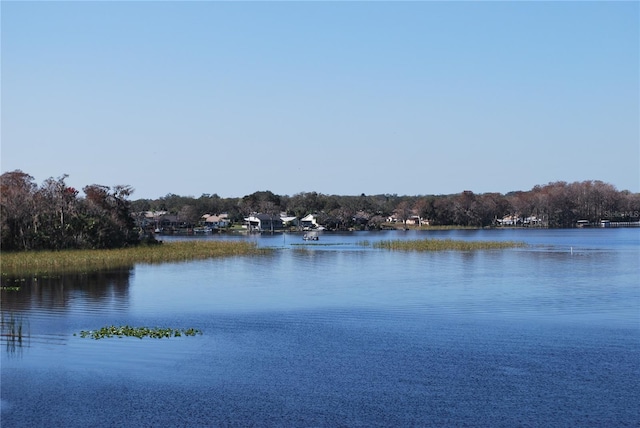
444,245
11,284
139,332
41,263
12,326
13,330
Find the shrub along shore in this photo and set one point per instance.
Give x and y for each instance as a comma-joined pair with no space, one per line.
47,263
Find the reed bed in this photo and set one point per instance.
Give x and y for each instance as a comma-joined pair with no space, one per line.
444,245
47,263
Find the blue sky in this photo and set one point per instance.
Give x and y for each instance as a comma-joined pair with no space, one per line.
340,98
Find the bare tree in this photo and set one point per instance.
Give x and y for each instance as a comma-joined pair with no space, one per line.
16,210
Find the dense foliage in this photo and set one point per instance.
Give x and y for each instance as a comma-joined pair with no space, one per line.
53,217
558,204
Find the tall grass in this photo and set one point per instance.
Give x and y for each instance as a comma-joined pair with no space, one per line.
444,245
41,263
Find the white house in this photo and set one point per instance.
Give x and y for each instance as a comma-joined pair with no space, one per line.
532,221
509,220
263,222
288,220
309,222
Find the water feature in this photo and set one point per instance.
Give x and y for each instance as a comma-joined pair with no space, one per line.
337,333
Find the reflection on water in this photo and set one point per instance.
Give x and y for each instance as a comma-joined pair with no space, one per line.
15,332
339,335
62,292
33,310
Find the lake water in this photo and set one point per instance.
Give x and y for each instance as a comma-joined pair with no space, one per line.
336,333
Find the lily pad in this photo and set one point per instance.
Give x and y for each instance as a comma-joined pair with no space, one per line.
139,332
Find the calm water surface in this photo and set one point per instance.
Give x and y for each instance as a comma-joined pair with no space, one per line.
337,333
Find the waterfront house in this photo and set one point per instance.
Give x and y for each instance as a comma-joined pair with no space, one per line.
518,220
532,221
309,221
216,221
411,218
263,223
288,221
509,220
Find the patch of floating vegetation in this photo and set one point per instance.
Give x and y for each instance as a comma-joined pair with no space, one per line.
48,263
443,245
139,332
9,288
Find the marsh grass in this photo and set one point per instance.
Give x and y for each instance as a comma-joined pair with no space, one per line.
51,263
315,244
444,245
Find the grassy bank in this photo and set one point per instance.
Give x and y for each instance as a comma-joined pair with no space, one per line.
444,245
41,263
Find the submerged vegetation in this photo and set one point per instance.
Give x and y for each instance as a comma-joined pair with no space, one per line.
47,263
139,332
443,245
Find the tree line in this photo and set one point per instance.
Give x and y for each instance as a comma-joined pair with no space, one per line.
55,216
557,204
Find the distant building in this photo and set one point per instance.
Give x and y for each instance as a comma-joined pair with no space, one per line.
288,221
411,219
309,221
509,220
216,221
532,221
517,220
263,223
